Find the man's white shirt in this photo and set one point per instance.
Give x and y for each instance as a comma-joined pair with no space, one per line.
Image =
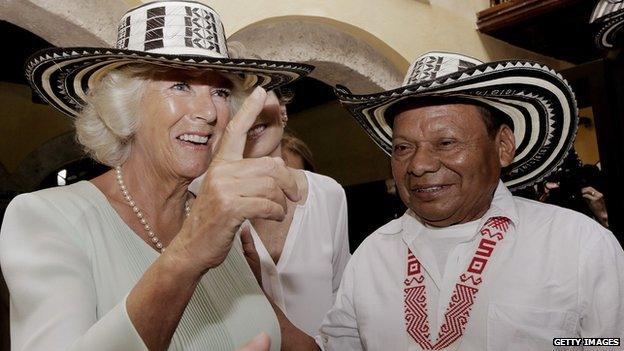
557,273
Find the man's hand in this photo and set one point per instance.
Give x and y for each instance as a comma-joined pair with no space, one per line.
595,201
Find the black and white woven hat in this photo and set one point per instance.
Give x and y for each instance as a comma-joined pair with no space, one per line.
538,102
177,34
608,20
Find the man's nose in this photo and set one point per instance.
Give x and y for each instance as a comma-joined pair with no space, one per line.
424,160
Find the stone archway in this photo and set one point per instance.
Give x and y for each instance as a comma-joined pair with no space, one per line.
51,155
68,22
342,53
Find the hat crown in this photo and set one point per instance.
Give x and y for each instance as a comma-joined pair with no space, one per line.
433,65
605,8
173,27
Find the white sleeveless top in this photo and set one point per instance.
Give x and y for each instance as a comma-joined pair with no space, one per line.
305,279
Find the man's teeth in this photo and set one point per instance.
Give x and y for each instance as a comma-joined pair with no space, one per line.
256,130
429,189
198,139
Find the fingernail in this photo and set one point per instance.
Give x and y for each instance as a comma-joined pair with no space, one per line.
259,339
258,92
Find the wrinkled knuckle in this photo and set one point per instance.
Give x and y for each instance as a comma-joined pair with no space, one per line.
244,109
269,185
267,207
267,163
279,162
270,163
232,127
274,184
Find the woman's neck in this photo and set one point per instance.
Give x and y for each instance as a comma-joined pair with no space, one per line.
157,191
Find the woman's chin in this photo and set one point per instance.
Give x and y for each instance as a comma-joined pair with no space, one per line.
191,170
264,144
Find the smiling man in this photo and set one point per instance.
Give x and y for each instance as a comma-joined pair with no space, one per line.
446,162
469,266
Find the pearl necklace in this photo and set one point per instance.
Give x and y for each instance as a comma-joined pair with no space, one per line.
137,211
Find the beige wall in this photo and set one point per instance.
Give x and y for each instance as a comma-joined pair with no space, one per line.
411,27
399,30
586,144
341,148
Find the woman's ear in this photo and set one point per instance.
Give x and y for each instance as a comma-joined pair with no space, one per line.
506,142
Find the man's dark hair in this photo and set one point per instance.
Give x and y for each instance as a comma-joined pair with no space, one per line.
493,118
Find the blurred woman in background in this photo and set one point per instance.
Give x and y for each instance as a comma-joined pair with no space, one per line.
296,153
302,257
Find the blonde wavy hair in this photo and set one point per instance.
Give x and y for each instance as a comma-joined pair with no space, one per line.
107,124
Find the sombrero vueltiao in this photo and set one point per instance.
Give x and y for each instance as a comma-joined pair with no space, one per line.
608,19
538,102
176,34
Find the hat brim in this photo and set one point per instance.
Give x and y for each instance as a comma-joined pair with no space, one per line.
538,101
607,19
63,76
609,31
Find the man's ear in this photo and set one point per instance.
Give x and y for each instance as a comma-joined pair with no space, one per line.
506,142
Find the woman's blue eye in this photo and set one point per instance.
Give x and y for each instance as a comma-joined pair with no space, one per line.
181,86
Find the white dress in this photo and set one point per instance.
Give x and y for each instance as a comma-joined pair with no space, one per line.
69,262
305,280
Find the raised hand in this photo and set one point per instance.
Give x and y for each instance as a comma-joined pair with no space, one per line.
595,200
233,190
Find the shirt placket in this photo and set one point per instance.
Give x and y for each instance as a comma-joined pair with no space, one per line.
276,283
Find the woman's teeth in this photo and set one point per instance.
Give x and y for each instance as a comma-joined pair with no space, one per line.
255,131
197,139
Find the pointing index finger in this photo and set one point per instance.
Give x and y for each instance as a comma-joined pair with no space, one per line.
233,140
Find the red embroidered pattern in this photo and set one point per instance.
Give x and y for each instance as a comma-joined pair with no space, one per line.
458,311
